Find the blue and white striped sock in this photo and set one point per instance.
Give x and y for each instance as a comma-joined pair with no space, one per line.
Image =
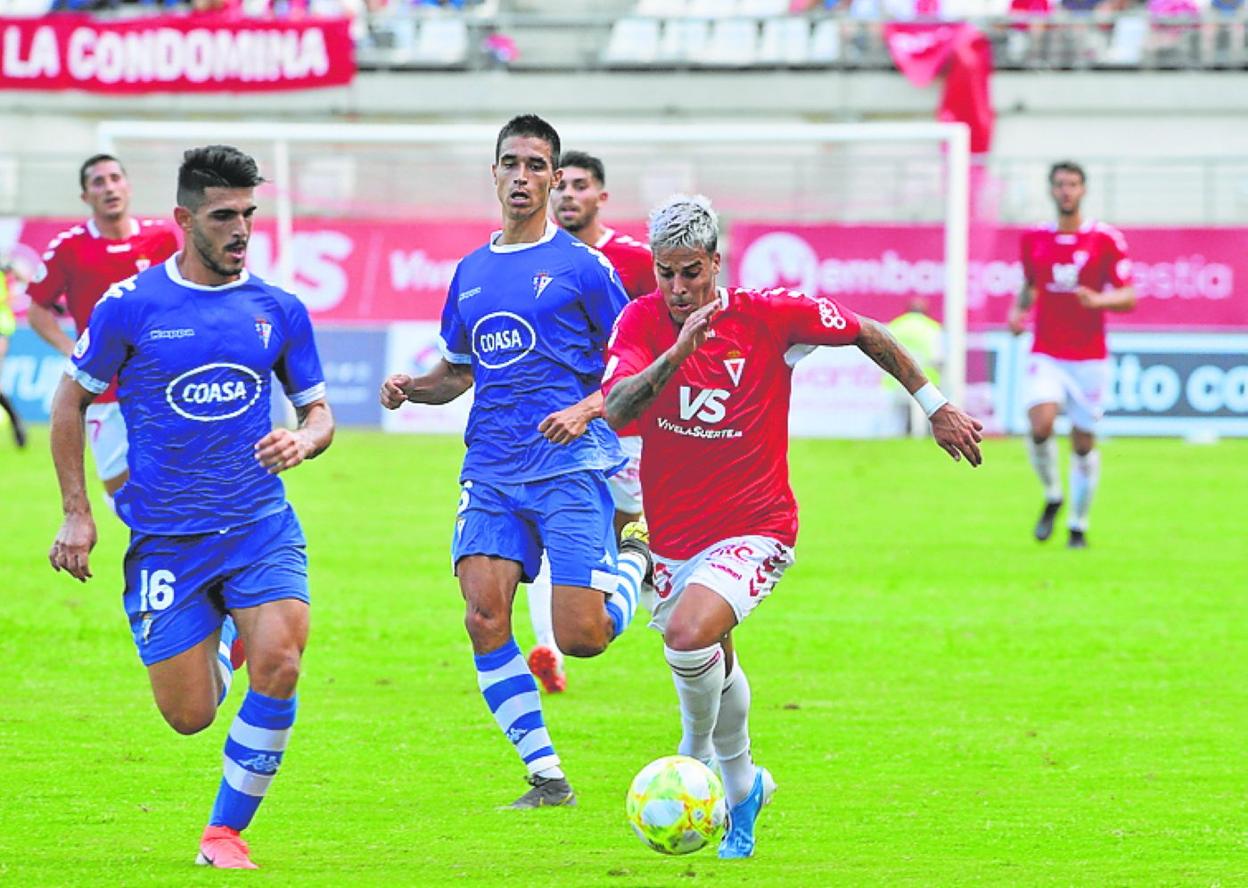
622,603
253,753
511,694
229,632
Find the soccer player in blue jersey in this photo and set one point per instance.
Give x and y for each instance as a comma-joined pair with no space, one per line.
526,321
193,343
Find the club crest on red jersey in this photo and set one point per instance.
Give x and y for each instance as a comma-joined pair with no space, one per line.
734,364
142,263
264,330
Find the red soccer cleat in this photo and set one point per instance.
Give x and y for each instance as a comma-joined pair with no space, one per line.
238,656
223,848
544,664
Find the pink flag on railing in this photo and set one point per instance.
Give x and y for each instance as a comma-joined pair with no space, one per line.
922,51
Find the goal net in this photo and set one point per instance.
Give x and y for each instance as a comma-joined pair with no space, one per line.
365,222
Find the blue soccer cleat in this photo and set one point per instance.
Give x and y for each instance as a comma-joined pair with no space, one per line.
738,842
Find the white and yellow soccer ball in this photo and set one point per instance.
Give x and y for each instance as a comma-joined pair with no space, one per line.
676,805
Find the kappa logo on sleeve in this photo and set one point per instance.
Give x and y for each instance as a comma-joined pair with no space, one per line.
83,343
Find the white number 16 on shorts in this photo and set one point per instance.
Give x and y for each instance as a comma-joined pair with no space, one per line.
742,570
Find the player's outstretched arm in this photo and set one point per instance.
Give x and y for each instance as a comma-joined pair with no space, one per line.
76,538
442,384
566,425
283,449
1118,299
955,431
1018,311
44,322
630,397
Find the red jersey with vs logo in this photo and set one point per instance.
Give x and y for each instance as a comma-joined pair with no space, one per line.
1056,263
81,264
715,463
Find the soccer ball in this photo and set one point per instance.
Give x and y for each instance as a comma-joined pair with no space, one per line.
676,805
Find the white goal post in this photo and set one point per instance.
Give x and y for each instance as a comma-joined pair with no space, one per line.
950,138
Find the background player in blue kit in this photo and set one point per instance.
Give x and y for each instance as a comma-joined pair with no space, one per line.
193,342
526,321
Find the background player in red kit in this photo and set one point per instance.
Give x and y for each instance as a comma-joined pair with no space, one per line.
80,264
578,198
1074,272
708,372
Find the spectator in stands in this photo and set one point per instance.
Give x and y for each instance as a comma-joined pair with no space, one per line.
1224,17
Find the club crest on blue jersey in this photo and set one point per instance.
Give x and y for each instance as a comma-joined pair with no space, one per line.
264,329
214,392
541,281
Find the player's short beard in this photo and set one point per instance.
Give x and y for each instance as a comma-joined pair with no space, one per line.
582,221
204,248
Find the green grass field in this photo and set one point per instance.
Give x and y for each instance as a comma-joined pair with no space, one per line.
942,700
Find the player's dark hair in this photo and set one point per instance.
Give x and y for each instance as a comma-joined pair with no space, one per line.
1067,166
92,161
529,125
585,161
214,166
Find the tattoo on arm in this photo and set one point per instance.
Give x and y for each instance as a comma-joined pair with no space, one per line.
880,346
630,397
1025,297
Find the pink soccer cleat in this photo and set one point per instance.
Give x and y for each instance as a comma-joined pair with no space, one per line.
223,848
544,664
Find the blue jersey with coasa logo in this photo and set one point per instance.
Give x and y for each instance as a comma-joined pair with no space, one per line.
193,365
533,321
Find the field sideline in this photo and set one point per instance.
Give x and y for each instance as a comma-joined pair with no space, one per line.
942,700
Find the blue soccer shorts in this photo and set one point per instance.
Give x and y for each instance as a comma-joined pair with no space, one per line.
179,587
569,515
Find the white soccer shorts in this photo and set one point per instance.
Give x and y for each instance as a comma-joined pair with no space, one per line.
106,431
1078,387
626,483
742,570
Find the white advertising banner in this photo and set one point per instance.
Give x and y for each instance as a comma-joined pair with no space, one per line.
412,348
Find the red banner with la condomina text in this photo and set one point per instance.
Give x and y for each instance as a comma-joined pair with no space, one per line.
368,271
174,54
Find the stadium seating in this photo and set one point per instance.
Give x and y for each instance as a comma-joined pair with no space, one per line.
633,41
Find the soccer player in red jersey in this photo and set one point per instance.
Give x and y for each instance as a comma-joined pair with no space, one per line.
577,200
707,373
80,264
1074,272
579,197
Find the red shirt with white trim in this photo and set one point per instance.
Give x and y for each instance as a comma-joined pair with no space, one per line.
80,264
634,263
717,436
1055,263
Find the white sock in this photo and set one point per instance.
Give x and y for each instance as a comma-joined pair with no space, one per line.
540,593
1044,461
699,678
1085,472
732,736
622,603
